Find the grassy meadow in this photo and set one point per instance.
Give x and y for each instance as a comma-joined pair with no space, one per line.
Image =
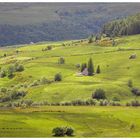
88,121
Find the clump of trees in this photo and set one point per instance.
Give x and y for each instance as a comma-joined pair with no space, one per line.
125,26
10,94
90,68
134,103
99,94
9,72
62,131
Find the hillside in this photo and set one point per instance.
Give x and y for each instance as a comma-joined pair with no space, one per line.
114,76
34,22
126,26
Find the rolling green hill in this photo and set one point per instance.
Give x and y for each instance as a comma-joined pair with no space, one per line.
22,23
116,69
42,108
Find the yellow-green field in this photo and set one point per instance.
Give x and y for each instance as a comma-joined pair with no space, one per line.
88,121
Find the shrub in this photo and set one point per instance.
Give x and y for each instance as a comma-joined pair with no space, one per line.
116,99
58,77
115,103
49,47
103,103
58,131
69,131
19,68
44,80
99,94
62,131
128,104
135,103
130,83
61,60
135,91
2,74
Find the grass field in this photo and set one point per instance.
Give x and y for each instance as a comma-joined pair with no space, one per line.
86,121
90,121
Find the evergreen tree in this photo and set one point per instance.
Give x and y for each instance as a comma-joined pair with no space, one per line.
90,67
98,69
90,39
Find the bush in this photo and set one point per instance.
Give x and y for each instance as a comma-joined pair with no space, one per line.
116,99
58,131
135,91
19,68
44,80
135,103
69,131
2,74
130,84
58,77
103,103
61,60
99,94
62,131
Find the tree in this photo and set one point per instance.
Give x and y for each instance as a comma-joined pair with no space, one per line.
2,73
130,83
83,66
58,77
69,131
99,94
90,67
136,91
62,131
58,131
10,72
61,60
19,68
90,39
98,69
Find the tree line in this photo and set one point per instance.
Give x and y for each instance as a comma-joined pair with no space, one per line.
126,26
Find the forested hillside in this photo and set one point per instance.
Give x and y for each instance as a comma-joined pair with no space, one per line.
126,26
22,23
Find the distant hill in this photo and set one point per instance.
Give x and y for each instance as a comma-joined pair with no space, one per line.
125,26
22,23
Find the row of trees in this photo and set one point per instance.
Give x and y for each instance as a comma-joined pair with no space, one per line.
126,26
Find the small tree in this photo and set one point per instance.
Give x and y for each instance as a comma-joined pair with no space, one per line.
61,60
99,94
136,91
58,77
10,72
130,83
58,131
98,69
2,73
19,68
69,131
49,47
90,67
90,39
